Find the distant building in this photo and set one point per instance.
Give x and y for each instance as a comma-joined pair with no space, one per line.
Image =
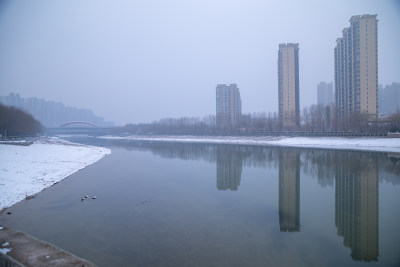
356,68
389,99
228,105
288,84
13,100
52,114
325,94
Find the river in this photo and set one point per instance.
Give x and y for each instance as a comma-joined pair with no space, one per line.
166,204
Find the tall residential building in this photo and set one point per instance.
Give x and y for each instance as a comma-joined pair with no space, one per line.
228,105
325,94
356,68
389,99
288,84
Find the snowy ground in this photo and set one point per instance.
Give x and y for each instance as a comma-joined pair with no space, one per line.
359,143
27,170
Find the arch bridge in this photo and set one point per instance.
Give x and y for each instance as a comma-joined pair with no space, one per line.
78,122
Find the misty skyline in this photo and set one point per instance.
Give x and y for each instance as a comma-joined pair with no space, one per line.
139,61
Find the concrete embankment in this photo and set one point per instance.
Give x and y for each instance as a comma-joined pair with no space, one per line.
16,143
20,249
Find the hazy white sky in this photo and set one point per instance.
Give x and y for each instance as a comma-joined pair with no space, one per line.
139,61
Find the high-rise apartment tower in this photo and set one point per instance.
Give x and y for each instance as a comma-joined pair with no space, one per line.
228,105
288,84
356,68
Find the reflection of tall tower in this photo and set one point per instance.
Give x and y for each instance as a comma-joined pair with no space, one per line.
229,168
356,207
289,190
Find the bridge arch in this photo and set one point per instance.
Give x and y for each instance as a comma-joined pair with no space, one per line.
78,122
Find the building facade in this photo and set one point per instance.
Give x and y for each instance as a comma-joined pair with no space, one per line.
356,68
288,84
228,105
325,94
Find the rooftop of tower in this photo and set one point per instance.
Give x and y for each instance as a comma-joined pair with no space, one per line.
288,45
365,16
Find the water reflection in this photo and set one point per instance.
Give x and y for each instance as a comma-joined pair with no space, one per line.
354,175
229,168
289,190
190,221
357,204
320,164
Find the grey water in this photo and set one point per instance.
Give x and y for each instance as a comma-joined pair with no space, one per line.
171,204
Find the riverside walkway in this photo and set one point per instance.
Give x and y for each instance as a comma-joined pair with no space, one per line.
19,249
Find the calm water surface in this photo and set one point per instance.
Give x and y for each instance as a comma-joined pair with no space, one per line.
163,204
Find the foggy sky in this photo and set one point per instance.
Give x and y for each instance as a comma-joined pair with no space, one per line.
139,61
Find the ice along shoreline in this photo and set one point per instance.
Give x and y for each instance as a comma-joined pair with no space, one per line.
377,144
27,170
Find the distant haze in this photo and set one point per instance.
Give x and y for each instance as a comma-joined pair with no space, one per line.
139,61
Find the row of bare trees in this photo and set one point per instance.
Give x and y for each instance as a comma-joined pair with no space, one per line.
15,122
314,119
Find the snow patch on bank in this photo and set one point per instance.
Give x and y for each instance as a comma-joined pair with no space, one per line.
5,250
27,170
359,143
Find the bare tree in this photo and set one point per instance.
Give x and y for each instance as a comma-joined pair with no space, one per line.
15,122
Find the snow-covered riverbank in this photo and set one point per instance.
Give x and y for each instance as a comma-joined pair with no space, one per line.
365,143
27,170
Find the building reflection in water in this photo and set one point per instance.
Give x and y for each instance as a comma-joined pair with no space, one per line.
355,173
289,190
229,168
356,205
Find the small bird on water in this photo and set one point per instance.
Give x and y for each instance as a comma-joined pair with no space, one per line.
86,196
